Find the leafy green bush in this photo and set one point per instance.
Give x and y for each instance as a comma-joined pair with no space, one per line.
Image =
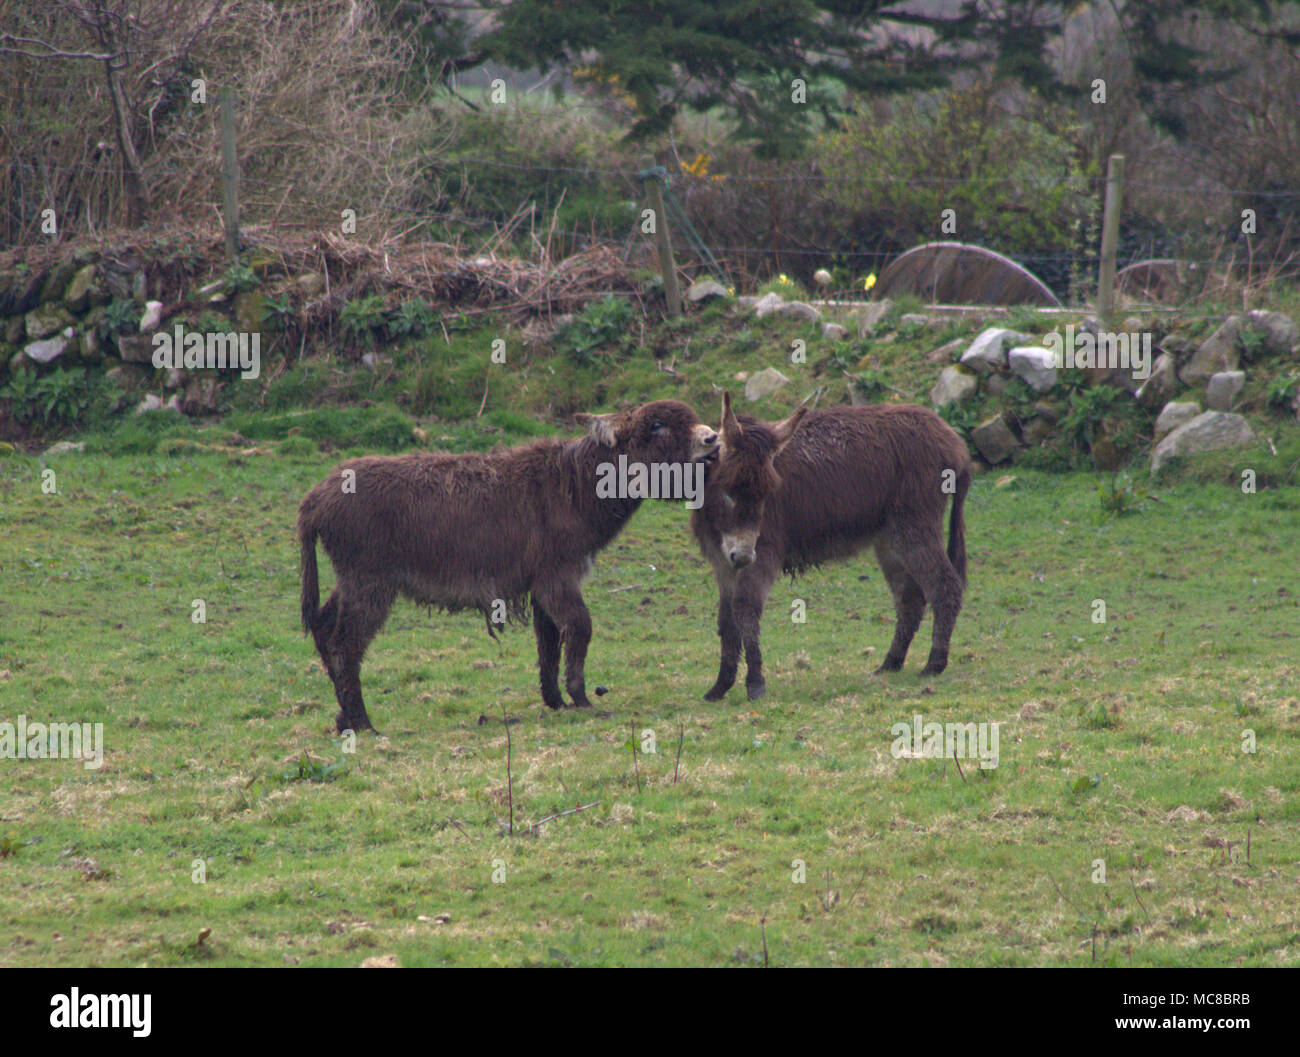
412,318
363,319
240,277
1282,391
58,398
601,323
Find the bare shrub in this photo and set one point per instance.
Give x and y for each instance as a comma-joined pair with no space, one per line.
322,124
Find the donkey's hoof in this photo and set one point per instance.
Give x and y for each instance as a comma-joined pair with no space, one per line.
343,724
716,692
755,690
934,668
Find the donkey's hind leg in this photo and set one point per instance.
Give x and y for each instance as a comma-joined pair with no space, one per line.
362,612
909,606
919,547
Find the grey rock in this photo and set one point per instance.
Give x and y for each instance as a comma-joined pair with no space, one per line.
795,310
705,290
1209,431
1216,353
51,349
136,348
955,385
201,396
46,320
1280,331
310,284
947,352
1044,410
1163,382
994,440
764,383
767,304
152,318
77,296
871,315
1035,365
988,352
89,345
1223,388
62,447
834,332
1039,430
1173,415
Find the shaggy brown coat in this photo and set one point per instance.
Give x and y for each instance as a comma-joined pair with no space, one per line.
491,532
820,487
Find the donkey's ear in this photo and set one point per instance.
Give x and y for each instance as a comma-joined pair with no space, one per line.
731,429
602,427
784,429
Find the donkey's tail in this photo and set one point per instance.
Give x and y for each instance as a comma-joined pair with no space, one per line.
957,525
310,584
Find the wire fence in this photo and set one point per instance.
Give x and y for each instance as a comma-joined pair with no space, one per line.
458,225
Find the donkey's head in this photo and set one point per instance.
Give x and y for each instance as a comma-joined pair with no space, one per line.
665,431
743,480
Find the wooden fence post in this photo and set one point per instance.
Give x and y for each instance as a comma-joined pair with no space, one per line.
1110,238
654,191
229,172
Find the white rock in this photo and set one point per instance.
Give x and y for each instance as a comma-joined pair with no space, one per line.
764,383
50,349
1036,365
1223,388
705,290
987,353
1173,415
1206,432
955,385
152,317
871,314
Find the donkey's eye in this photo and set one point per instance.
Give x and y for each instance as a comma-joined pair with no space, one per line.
731,503
657,427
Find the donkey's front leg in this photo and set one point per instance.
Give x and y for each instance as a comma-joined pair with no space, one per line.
729,637
747,611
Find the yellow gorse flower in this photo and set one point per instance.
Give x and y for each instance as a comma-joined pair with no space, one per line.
869,281
699,167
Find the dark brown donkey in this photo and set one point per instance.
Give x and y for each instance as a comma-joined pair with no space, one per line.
818,487
489,532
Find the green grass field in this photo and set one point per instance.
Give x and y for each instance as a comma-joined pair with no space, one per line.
1121,747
